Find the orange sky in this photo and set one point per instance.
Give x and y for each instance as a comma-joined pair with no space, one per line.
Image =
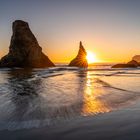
105,51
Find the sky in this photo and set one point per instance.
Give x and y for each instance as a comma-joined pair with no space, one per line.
108,28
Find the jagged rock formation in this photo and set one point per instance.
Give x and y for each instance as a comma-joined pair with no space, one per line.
136,58
130,64
80,60
24,50
133,62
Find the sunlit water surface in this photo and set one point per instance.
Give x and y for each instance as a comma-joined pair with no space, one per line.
40,97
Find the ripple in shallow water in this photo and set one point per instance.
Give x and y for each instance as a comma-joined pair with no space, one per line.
34,98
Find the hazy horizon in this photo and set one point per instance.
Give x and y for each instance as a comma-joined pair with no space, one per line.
109,29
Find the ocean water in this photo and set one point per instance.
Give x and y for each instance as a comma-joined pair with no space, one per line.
34,98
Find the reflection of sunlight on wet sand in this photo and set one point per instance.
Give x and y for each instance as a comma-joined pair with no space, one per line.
93,105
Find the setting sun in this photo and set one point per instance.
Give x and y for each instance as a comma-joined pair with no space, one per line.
91,57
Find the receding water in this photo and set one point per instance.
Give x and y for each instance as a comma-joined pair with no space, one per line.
40,97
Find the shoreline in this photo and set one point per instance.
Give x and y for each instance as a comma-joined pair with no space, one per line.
121,124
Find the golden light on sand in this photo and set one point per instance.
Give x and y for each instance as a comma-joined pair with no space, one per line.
91,57
93,104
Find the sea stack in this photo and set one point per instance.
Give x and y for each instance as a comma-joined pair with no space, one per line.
134,63
124,66
80,60
24,50
136,58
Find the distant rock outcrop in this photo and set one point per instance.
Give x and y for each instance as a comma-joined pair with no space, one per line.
136,58
124,66
80,60
24,50
131,64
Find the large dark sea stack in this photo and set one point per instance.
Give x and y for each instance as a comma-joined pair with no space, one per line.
24,50
80,60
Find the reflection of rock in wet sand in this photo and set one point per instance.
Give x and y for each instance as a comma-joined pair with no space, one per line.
27,106
18,82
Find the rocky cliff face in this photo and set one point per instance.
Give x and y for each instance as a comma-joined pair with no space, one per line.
80,60
24,50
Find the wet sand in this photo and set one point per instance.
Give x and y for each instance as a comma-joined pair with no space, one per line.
51,104
117,125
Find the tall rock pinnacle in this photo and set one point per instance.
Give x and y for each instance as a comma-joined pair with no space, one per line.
24,50
80,60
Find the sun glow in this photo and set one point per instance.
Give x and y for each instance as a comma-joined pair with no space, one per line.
91,57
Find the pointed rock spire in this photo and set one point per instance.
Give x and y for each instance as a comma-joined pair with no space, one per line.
80,60
24,50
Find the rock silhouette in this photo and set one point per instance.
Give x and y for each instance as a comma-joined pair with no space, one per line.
24,50
133,62
80,60
136,58
124,66
130,64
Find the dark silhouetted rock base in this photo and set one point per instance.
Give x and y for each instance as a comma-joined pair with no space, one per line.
124,66
131,64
